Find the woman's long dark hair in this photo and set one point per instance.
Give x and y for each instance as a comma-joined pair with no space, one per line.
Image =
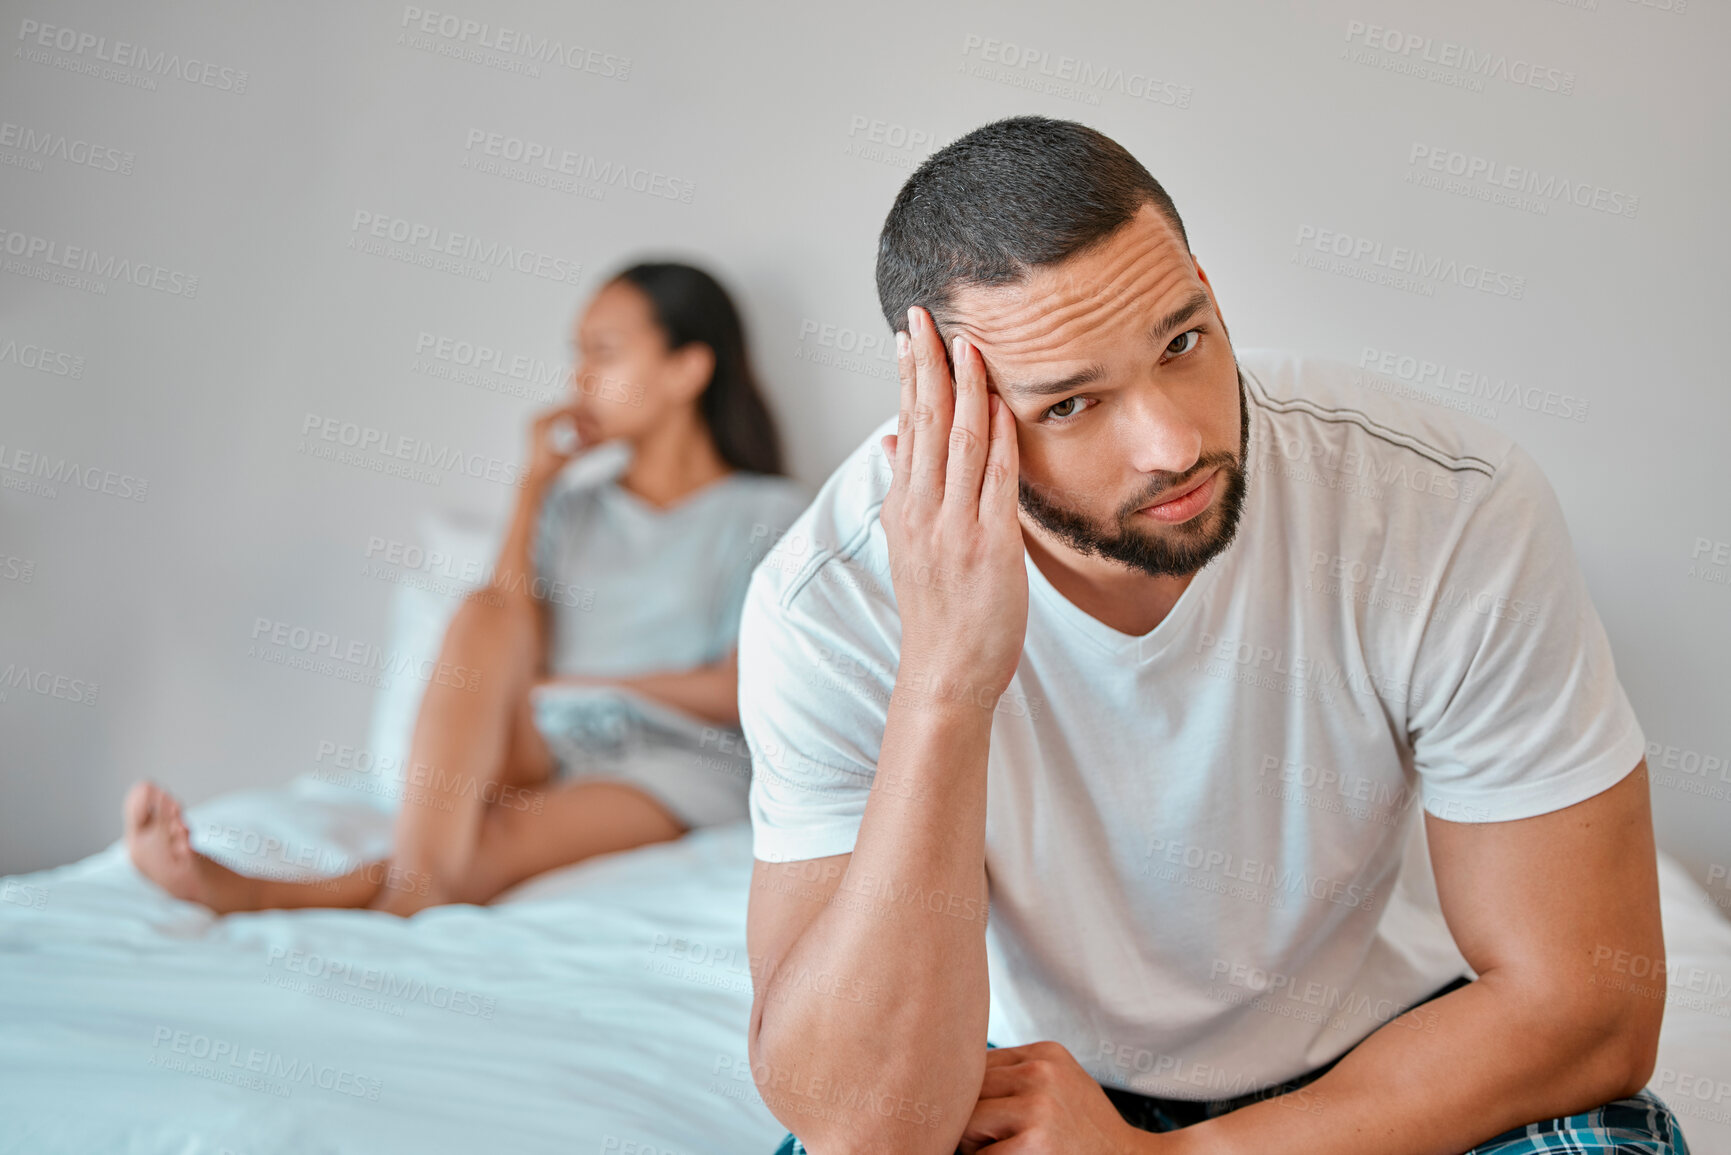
690,305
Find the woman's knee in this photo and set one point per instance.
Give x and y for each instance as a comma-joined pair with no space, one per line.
491,611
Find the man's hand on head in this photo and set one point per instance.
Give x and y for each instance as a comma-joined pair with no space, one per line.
949,519
1037,1100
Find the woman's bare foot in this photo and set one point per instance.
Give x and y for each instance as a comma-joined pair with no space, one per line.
161,848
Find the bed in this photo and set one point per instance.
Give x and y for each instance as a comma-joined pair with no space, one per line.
601,1007
597,1008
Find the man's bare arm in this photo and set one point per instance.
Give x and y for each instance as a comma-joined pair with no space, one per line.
866,997
1541,908
901,919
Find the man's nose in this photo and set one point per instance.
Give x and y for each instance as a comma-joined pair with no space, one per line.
1161,436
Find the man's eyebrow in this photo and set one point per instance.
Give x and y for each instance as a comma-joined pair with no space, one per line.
1062,385
1168,326
1163,331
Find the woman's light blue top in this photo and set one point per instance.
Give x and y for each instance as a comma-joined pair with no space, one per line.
633,588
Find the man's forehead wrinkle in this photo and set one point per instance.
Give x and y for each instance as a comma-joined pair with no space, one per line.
1056,295
1104,263
1112,281
1035,322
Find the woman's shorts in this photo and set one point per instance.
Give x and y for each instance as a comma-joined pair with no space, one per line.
695,793
701,778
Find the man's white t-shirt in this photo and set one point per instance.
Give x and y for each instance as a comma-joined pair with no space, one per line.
1205,865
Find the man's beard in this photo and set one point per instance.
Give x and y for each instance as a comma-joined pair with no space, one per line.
1156,548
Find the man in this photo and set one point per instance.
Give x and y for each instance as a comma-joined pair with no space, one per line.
1160,653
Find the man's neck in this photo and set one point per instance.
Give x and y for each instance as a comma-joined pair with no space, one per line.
1128,600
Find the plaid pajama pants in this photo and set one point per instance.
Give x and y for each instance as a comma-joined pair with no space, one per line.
1639,1126
1642,1125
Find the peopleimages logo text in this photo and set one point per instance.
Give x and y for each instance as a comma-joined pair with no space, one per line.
84,259
1544,186
1464,58
124,54
516,42
420,237
1414,263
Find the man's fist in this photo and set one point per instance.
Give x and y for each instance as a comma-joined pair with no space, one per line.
1037,1100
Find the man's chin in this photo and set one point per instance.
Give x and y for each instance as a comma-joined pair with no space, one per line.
1143,543
1167,559
1163,549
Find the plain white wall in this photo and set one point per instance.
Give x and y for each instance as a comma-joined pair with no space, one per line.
238,144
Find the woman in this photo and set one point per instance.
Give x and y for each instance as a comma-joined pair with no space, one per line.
621,590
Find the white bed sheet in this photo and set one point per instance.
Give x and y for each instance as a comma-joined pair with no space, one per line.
619,996
603,1006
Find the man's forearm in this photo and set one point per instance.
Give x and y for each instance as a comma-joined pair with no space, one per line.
1441,1078
905,928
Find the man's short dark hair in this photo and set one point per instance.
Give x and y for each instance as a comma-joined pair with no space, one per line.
1006,198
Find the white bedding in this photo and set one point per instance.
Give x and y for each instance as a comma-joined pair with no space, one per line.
599,1008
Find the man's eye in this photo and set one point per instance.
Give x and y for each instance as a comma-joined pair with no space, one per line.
1190,338
1068,407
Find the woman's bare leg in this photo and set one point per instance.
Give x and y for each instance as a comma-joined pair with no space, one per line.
473,744
161,847
562,825
521,836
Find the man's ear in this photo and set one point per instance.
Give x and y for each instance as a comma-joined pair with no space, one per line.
1202,276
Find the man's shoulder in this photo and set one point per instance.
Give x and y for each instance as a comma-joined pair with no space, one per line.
1346,422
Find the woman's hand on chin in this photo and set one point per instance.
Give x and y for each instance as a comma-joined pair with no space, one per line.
554,442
